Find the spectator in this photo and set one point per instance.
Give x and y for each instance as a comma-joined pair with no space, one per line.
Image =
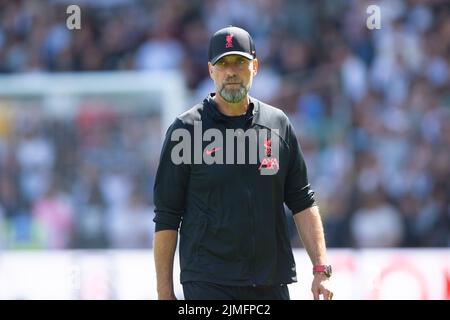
54,214
376,223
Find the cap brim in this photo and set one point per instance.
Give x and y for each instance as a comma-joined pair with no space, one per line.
239,53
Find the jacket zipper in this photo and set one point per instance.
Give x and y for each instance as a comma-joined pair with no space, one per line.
252,219
253,222
253,238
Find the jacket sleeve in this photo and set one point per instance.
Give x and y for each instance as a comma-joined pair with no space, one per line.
298,195
169,190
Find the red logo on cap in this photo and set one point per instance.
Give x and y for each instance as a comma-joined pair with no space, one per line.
229,43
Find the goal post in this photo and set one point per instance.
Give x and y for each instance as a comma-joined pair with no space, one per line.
59,92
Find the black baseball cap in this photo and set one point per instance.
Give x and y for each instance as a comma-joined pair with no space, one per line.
231,40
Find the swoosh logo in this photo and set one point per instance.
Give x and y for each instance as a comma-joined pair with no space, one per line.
209,152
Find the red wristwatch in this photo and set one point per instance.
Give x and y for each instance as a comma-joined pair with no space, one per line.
325,269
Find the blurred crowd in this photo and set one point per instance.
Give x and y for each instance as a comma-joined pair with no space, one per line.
83,182
371,109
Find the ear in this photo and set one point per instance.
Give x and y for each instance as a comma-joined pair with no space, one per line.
255,66
210,70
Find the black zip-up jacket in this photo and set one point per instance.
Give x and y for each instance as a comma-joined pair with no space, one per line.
233,224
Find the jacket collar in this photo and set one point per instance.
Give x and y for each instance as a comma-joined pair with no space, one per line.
211,108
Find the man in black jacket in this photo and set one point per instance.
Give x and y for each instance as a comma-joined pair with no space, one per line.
229,198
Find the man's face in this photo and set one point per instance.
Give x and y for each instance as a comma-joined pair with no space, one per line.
233,77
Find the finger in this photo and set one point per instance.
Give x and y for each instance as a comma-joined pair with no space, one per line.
315,294
327,295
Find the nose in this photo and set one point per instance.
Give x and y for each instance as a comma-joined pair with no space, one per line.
231,70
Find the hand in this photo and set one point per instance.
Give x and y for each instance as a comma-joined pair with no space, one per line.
320,285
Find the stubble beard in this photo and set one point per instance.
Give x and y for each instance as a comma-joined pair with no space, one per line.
234,95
